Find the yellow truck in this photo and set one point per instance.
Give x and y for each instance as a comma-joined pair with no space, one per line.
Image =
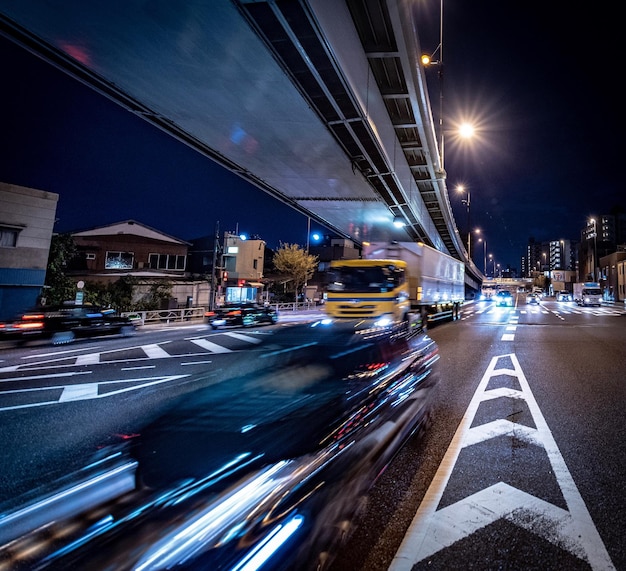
395,282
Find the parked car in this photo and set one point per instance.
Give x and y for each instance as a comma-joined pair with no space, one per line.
66,322
241,314
504,298
533,298
264,470
564,296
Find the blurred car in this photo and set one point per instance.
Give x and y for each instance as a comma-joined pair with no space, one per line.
504,298
564,296
533,298
66,322
263,467
241,314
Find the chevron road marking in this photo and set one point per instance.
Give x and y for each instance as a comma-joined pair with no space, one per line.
570,529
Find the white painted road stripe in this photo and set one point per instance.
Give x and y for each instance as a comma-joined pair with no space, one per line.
433,530
209,346
243,337
154,351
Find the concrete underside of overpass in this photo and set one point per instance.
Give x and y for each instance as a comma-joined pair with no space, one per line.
320,103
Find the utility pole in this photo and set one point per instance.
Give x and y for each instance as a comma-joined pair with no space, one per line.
216,245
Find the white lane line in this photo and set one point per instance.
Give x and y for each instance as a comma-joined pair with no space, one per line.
433,530
511,327
138,368
507,337
209,346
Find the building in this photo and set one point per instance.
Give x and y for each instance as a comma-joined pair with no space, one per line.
612,268
242,264
129,248
27,220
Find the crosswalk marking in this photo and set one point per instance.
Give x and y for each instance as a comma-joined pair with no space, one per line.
88,359
241,337
79,392
433,529
210,346
154,351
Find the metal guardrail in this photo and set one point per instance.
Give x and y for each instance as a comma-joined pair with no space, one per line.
166,315
197,313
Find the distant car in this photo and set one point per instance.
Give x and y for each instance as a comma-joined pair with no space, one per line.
241,314
564,296
66,322
504,298
533,298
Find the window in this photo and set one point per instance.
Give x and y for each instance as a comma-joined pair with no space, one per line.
167,262
90,256
8,237
119,261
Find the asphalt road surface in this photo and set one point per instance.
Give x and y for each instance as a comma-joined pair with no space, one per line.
522,466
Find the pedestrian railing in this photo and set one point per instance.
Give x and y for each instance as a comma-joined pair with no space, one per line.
197,313
166,315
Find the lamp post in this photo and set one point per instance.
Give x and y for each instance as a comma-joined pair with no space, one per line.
595,249
466,201
484,241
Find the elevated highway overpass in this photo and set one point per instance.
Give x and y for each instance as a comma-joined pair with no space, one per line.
320,103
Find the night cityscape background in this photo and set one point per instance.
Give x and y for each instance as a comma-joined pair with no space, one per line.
545,158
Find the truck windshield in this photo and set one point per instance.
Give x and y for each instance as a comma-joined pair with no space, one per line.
592,291
375,279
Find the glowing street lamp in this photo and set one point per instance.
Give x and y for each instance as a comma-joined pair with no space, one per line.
595,249
484,241
467,201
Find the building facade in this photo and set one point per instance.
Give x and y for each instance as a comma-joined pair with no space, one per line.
27,220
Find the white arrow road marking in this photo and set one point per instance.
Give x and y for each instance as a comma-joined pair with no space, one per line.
432,530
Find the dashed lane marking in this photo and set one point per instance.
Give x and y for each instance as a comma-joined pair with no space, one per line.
571,529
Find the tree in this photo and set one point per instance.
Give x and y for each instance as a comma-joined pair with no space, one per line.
293,261
59,287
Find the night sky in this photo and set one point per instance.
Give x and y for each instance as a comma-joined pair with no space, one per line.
541,86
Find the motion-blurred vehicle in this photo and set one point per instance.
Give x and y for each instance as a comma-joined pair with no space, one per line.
66,322
504,299
564,296
262,467
533,298
241,314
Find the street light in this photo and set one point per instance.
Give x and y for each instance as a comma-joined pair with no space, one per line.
429,60
484,241
595,249
466,201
